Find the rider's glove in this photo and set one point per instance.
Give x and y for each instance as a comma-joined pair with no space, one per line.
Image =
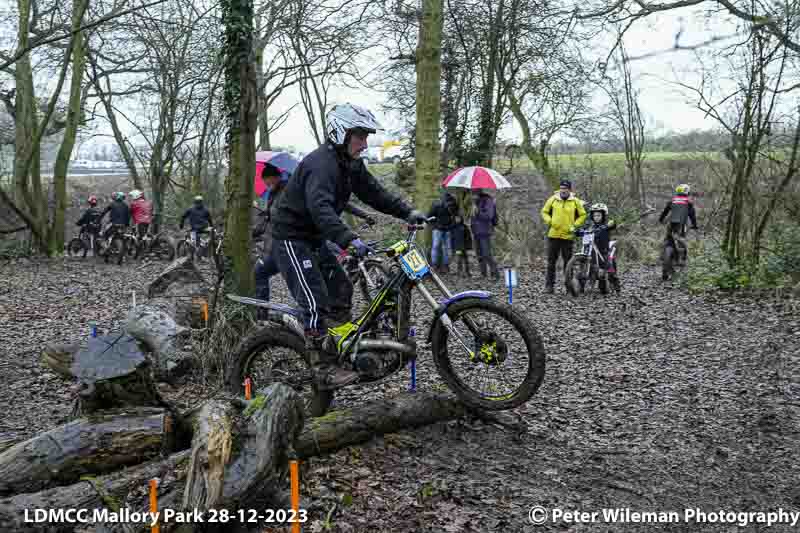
417,217
360,247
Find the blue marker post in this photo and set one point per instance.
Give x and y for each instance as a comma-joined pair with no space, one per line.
93,329
511,282
413,388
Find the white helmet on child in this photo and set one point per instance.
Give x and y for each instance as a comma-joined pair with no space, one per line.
135,194
345,117
599,207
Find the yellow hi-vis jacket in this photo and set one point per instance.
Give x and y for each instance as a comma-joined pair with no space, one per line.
563,216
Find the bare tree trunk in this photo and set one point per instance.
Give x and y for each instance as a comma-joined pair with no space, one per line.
538,159
429,68
791,173
241,107
70,131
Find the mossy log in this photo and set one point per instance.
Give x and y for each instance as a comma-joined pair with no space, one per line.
98,444
342,428
112,492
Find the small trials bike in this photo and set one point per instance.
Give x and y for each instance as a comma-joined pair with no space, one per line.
471,335
588,266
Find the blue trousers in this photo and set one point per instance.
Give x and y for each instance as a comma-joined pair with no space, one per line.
266,267
441,238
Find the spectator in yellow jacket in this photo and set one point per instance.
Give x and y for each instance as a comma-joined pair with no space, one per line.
564,213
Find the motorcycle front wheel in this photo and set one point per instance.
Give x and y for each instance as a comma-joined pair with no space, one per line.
497,337
575,274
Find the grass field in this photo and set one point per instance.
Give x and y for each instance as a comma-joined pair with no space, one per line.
609,161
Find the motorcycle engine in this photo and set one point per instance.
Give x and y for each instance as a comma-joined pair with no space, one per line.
375,364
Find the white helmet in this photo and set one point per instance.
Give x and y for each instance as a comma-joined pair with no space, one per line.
135,194
342,118
599,207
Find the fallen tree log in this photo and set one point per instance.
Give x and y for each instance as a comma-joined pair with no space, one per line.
111,492
98,444
243,463
342,428
179,291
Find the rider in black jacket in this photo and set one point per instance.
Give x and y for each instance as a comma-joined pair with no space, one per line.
307,214
91,217
199,218
119,214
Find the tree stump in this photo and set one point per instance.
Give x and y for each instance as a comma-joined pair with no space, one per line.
111,371
98,444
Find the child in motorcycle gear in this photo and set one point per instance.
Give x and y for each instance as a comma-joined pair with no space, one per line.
119,214
141,211
680,208
602,227
91,217
199,218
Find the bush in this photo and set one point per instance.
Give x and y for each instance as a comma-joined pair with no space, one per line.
779,266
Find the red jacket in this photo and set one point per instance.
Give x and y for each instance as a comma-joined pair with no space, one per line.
141,211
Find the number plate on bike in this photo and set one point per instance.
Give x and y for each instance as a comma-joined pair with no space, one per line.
414,264
588,238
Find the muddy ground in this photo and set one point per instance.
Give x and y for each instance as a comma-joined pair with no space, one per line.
653,399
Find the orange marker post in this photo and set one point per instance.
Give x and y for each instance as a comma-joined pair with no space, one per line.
205,312
295,476
154,503
247,388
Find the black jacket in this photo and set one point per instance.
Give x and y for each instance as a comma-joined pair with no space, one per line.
198,216
120,213
315,196
91,218
445,209
460,236
680,207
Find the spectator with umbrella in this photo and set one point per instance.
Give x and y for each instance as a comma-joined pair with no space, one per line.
484,220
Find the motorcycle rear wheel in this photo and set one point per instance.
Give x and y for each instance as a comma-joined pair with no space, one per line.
273,342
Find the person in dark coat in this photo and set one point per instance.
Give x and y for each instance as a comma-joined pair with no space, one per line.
444,209
483,222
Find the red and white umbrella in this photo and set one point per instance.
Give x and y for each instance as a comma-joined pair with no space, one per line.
476,178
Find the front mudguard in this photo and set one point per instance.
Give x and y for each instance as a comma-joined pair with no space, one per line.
445,305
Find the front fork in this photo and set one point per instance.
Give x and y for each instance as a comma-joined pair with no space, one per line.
448,323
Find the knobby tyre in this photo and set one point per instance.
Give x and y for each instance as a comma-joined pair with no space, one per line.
576,266
533,346
666,262
76,246
316,402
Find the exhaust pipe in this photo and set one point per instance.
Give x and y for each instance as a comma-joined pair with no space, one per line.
379,344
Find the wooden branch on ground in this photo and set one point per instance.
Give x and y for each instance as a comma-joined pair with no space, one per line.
95,445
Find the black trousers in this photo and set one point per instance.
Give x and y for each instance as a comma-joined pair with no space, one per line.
316,281
556,248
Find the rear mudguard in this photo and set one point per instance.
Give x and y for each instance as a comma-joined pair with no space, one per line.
444,305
